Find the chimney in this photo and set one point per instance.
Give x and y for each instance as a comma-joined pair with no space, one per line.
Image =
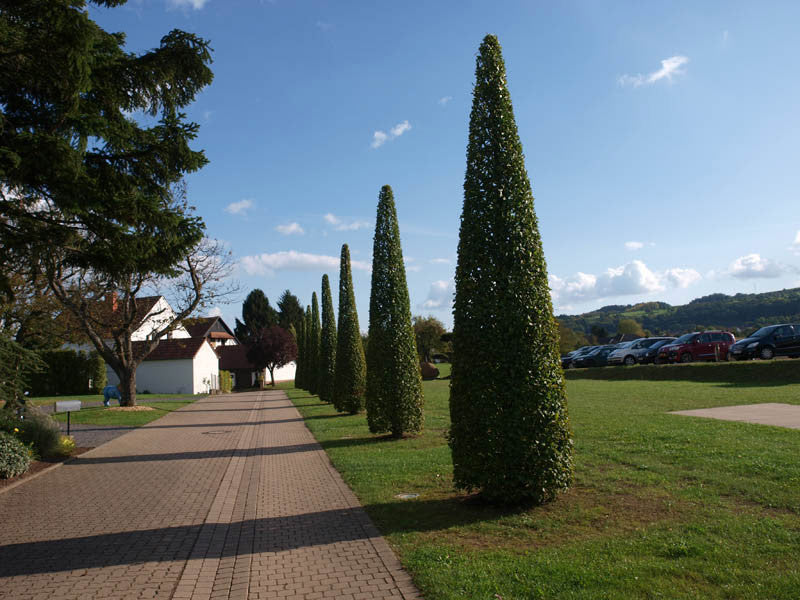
113,303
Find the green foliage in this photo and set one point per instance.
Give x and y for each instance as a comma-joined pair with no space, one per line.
40,431
66,445
327,345
257,314
428,332
306,349
18,368
350,371
69,372
313,347
631,326
510,435
569,339
740,313
225,382
15,457
301,360
394,399
290,313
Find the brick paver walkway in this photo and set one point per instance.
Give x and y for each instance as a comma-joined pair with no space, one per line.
230,497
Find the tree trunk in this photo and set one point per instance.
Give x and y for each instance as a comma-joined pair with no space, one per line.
272,375
127,387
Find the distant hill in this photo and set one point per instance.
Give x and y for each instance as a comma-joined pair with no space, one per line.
742,313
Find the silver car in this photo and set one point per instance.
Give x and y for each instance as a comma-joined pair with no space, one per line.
634,352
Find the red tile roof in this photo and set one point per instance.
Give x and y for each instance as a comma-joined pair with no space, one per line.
180,349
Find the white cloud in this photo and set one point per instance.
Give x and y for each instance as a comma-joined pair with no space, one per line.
379,138
340,224
215,311
440,295
669,67
195,4
439,261
753,266
681,278
290,229
240,207
795,247
445,100
629,279
634,245
267,264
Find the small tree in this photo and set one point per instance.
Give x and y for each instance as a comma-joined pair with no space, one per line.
350,373
428,332
509,435
630,326
272,348
394,384
313,347
327,346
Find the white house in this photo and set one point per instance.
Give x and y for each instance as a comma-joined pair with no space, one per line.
177,366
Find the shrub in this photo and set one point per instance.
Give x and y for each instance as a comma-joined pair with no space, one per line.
225,382
15,457
66,445
68,372
510,434
40,431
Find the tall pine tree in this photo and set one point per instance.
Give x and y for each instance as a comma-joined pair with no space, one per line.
510,434
394,385
327,344
313,347
350,376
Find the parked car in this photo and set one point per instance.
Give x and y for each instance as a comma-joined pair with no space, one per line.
632,352
569,357
706,345
768,342
650,354
597,357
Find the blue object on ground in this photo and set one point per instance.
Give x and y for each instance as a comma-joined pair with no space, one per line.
111,391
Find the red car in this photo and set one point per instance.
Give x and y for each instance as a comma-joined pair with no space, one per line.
706,345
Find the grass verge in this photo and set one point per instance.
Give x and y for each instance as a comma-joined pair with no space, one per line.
99,415
663,506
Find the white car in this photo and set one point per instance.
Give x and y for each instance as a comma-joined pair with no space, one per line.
634,351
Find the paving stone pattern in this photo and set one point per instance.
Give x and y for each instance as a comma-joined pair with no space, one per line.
229,497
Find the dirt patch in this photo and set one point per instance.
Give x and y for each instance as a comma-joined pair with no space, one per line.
38,466
130,408
768,413
582,513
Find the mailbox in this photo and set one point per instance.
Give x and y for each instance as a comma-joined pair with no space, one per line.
67,406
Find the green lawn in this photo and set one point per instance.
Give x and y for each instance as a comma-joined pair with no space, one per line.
99,415
140,398
663,506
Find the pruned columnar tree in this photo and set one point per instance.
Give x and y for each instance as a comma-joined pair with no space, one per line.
298,372
394,385
351,375
327,344
306,346
510,434
313,347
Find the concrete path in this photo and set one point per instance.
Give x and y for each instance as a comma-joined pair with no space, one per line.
229,497
768,413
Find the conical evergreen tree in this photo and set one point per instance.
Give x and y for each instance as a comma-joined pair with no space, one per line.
313,347
350,375
510,434
307,348
327,344
394,385
298,372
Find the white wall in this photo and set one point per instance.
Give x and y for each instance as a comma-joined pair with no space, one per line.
206,366
283,374
159,316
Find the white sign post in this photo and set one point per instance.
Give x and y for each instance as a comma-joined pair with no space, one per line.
67,406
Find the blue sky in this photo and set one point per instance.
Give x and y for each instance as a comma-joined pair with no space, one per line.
661,141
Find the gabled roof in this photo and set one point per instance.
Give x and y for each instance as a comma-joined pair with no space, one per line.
213,327
107,312
176,349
